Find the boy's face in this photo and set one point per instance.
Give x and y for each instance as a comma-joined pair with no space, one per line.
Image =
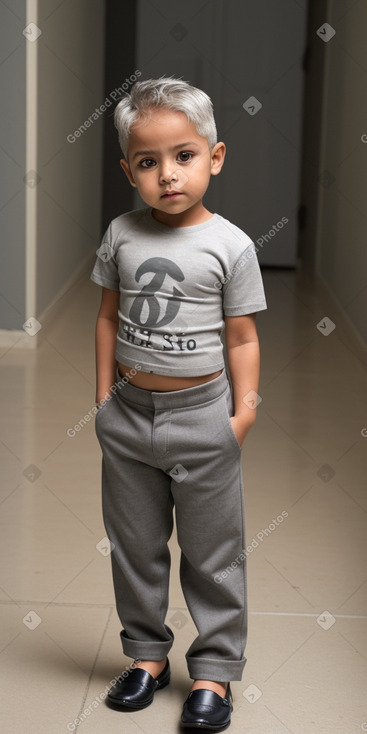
166,154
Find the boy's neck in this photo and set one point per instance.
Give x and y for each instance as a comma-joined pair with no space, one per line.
194,215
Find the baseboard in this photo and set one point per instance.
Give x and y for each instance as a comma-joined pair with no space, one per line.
19,339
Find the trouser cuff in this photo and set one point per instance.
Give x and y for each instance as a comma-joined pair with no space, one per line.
218,670
145,649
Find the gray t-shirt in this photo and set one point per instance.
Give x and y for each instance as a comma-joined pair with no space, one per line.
176,285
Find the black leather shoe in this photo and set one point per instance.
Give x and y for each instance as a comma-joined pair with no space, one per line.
204,709
136,689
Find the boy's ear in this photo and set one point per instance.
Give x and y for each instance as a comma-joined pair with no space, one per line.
125,167
217,158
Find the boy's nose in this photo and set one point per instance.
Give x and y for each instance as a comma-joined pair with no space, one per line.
167,174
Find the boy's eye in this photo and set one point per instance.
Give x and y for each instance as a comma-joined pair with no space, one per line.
147,163
185,156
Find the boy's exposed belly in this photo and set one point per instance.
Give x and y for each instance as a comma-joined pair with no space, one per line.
163,383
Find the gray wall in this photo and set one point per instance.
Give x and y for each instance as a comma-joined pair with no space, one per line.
118,196
235,50
12,157
334,191
342,251
70,88
67,187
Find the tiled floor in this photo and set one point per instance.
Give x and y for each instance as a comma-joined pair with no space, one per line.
306,456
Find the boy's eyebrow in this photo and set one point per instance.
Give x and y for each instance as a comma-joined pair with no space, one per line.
154,152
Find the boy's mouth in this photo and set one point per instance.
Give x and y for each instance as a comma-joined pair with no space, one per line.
170,194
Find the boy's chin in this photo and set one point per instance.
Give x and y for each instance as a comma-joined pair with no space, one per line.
171,207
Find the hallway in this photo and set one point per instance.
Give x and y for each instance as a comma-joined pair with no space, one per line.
305,458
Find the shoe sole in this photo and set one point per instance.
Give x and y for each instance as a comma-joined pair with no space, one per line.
121,706
206,726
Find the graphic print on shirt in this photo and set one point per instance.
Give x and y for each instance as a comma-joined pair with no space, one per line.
145,311
161,267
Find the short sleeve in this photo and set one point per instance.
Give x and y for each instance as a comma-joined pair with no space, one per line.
243,290
105,271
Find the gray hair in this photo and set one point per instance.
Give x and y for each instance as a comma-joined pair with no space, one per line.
170,93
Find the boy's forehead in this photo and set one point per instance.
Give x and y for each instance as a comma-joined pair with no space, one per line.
163,126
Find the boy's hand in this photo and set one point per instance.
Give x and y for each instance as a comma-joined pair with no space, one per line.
240,428
102,400
104,397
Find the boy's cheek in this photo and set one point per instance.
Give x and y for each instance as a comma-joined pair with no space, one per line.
141,182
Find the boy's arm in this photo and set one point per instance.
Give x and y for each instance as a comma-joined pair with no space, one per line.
244,366
106,331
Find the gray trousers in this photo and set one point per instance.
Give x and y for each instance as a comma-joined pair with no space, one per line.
176,449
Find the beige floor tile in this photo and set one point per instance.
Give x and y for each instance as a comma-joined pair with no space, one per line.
306,668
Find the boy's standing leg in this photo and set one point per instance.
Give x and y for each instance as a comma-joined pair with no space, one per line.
138,516
177,447
204,459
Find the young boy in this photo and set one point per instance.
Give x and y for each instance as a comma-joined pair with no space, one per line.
169,423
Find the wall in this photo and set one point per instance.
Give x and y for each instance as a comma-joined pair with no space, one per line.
12,157
118,195
235,50
70,89
51,82
341,252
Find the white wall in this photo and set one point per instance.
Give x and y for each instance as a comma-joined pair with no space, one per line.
342,225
